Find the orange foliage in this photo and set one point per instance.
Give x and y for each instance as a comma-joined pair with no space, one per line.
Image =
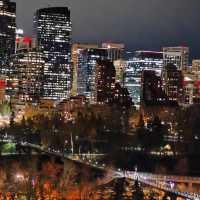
51,169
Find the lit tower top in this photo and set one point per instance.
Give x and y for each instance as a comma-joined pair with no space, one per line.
115,50
179,56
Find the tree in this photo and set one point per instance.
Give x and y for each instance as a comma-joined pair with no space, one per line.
2,179
140,122
152,196
119,189
137,192
69,175
158,132
152,136
87,191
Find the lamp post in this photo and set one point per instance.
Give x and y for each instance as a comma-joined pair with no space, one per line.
27,183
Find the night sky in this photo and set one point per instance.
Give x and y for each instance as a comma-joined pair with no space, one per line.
140,24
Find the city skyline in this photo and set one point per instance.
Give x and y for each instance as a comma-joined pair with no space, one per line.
99,100
134,22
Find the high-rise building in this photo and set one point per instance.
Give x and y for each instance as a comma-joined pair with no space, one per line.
120,66
132,81
11,78
148,60
115,50
105,81
191,88
179,56
115,54
142,60
53,33
7,30
86,72
152,92
29,66
196,66
172,80
76,48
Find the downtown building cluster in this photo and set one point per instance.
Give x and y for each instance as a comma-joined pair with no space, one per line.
41,67
176,84
50,66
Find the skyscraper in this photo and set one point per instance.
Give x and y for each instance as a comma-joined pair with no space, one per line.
172,80
120,66
29,65
178,56
115,50
196,66
7,29
104,81
53,34
76,49
132,81
149,60
142,60
191,87
87,71
151,89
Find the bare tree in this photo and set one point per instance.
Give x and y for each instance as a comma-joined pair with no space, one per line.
69,176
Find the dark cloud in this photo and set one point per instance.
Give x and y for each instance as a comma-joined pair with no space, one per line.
140,24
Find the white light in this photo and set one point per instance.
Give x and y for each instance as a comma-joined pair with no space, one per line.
20,31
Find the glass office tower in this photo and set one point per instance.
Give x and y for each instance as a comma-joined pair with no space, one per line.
7,29
53,32
142,60
86,72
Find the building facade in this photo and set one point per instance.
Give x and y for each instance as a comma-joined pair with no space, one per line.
121,97
191,88
86,73
196,66
76,49
7,30
105,81
120,66
191,85
179,56
29,65
115,50
152,91
53,33
172,80
142,60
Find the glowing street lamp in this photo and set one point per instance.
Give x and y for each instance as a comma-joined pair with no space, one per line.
19,177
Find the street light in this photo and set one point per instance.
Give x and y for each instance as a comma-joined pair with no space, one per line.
19,177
